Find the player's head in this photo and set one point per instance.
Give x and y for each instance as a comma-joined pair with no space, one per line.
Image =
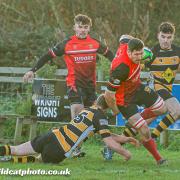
166,31
135,50
101,101
82,24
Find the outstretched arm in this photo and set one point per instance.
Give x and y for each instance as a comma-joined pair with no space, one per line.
112,144
123,139
57,50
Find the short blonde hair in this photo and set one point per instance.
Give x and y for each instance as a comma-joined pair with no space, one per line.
82,19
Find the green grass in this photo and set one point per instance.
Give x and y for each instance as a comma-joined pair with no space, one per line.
141,166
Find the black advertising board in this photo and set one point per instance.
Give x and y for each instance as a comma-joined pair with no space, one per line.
50,100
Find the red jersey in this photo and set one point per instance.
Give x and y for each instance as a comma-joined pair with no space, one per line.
125,76
80,56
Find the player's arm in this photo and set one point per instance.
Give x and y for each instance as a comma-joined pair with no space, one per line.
105,51
117,75
124,139
58,50
101,126
115,146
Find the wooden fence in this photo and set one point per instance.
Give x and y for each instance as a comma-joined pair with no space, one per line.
13,75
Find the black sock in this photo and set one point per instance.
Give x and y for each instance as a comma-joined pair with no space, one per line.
23,159
164,124
5,150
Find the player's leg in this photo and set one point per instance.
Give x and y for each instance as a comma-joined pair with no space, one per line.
138,123
20,153
76,101
155,106
173,107
76,98
145,96
19,150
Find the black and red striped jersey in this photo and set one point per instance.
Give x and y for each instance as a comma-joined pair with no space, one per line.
80,56
85,124
163,66
124,76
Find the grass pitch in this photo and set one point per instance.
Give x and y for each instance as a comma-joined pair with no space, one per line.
93,167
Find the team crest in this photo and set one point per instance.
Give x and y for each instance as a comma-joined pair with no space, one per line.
90,46
168,75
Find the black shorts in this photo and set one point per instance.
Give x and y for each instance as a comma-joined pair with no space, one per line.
165,94
49,148
144,96
85,96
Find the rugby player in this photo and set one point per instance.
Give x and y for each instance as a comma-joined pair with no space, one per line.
163,67
80,55
125,91
58,144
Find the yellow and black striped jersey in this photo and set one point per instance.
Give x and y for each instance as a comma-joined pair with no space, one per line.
163,66
85,124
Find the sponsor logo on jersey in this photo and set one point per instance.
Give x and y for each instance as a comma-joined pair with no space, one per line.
83,58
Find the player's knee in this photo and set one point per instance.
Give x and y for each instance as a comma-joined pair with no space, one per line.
141,126
159,107
175,111
178,112
145,133
176,115
163,109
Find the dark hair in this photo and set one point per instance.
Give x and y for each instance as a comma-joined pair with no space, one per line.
166,27
101,101
82,19
135,44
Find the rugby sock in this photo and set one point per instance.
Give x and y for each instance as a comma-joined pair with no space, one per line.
150,145
5,150
130,132
23,159
164,124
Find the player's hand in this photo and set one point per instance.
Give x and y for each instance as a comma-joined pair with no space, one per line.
28,76
127,156
134,141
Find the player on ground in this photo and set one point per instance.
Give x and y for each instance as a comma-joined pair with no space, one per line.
58,144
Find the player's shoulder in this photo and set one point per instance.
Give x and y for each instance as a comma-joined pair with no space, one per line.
175,47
